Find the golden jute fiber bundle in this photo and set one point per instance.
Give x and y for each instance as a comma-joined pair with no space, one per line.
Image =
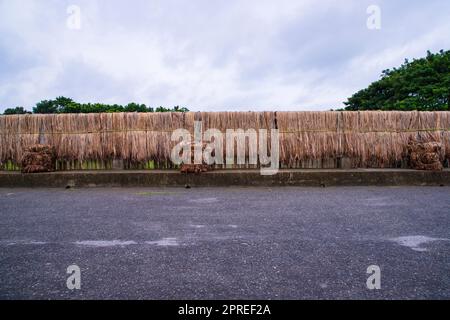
368,138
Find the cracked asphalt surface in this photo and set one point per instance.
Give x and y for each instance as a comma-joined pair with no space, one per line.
225,243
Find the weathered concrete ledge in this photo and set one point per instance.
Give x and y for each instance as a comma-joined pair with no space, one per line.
313,178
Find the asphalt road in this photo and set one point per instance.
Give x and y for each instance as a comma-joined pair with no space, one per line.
225,243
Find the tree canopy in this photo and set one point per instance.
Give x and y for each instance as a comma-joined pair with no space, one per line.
16,110
68,105
421,84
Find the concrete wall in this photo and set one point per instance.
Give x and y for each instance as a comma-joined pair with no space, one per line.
312,178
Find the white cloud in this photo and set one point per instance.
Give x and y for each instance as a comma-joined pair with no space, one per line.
208,55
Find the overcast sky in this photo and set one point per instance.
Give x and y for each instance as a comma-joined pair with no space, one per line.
209,55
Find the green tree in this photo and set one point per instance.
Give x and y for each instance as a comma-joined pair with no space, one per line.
16,110
161,109
134,107
421,84
174,109
62,102
68,105
46,106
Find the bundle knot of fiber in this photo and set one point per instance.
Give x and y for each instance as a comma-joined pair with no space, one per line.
425,155
39,158
192,167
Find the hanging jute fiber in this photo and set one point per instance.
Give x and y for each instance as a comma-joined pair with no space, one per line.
368,139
